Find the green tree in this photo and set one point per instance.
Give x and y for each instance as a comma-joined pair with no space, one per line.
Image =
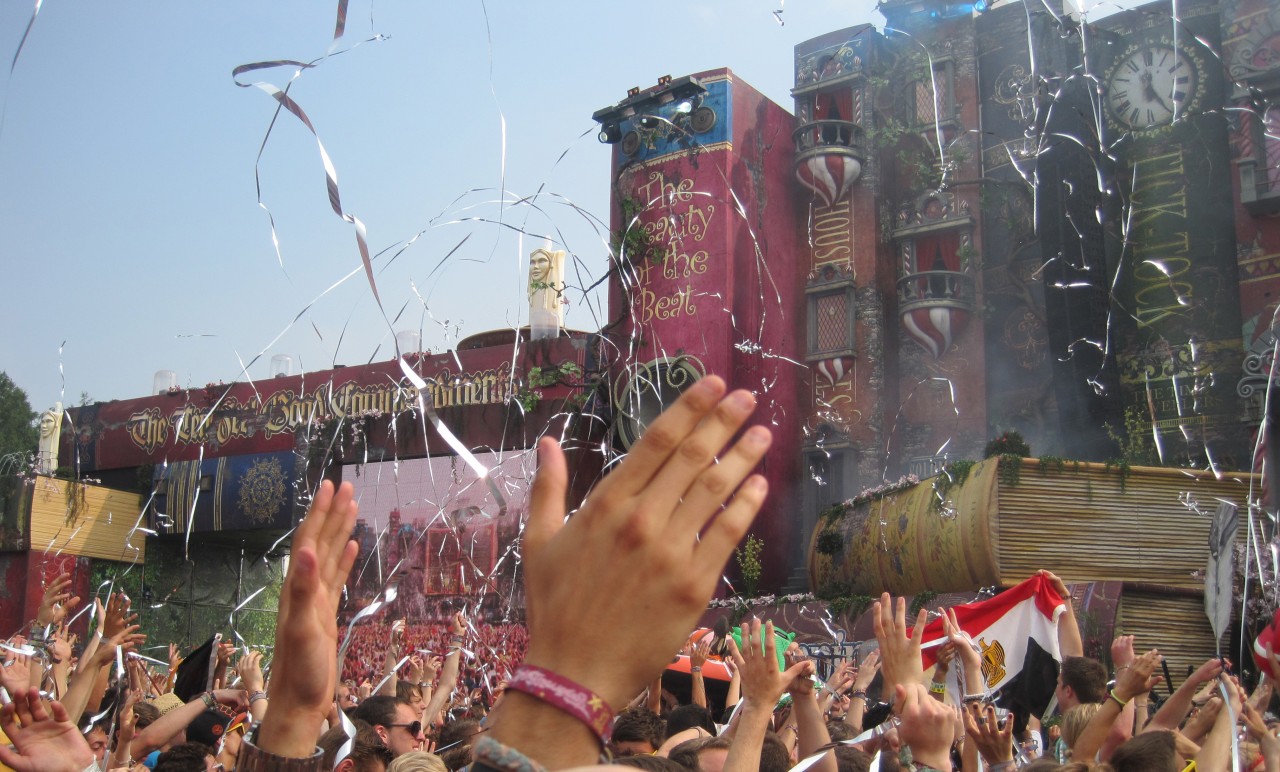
18,431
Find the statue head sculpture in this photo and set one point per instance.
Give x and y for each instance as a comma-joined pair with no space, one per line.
546,314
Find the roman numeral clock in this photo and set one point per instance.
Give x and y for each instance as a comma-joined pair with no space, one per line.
1173,245
1153,84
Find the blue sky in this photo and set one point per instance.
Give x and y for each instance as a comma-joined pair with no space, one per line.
132,236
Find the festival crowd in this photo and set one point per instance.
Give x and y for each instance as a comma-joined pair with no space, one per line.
612,595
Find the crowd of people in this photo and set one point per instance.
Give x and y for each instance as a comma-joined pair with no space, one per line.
612,594
493,651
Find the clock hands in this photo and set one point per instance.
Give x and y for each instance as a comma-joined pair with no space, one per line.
1149,92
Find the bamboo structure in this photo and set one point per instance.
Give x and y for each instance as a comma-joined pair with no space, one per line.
1143,526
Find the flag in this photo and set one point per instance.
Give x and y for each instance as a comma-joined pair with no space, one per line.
1017,636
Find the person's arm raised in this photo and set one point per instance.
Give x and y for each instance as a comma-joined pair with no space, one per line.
1136,680
899,652
452,664
862,679
697,658
305,667
629,574
1176,708
811,726
1070,642
762,686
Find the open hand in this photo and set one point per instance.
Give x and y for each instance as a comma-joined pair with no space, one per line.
44,740
899,651
56,601
655,531
305,667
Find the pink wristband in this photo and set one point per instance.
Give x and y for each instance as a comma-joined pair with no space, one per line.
572,698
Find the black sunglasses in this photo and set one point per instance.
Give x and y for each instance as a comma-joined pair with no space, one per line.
414,727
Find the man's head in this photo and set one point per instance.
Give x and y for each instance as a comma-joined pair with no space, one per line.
412,694
775,756
368,753
97,738
635,732
457,733
1148,752
186,757
850,759
395,722
1080,680
650,763
688,716
703,755
346,696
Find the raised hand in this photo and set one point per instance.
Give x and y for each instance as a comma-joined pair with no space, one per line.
250,669
305,668
866,672
653,531
993,740
927,725
698,653
44,740
16,675
974,682
899,651
763,684
1138,679
415,669
656,531
56,601
117,616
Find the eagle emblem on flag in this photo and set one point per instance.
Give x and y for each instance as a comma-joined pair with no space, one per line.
992,662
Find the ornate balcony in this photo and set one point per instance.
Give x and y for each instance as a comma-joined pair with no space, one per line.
829,158
935,289
935,307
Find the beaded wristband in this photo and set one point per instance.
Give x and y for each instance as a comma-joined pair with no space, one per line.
858,694
561,693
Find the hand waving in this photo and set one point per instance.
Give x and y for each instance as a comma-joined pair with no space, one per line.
306,660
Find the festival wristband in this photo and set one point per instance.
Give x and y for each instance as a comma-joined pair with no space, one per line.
1119,701
565,695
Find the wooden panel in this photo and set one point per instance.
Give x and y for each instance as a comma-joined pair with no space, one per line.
87,520
1174,624
1087,523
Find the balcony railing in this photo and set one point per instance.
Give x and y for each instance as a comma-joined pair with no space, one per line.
935,288
829,137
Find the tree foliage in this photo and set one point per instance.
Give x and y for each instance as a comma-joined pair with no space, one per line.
18,430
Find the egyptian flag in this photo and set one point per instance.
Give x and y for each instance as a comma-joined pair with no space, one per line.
1017,636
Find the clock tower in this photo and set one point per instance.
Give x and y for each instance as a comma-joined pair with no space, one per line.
1172,248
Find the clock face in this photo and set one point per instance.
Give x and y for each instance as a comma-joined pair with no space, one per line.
1151,86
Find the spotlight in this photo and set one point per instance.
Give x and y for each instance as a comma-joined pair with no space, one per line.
610,133
648,121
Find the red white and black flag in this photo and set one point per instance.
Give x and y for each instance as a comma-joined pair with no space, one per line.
1017,636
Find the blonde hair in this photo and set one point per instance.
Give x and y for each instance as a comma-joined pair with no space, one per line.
417,761
1076,719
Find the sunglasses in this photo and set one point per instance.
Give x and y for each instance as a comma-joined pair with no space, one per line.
414,727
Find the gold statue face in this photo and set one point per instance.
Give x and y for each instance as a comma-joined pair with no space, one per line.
539,266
